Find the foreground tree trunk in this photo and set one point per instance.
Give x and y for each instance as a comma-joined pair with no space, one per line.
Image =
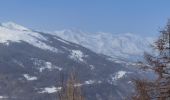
71,91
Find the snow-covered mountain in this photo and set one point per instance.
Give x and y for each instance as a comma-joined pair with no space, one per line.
31,63
11,32
129,46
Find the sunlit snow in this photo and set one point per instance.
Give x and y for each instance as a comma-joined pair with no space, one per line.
77,55
50,89
16,33
44,65
119,75
14,26
3,97
49,66
29,78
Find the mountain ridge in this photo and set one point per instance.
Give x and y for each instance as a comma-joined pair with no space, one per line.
126,45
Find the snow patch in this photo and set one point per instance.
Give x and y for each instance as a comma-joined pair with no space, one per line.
49,66
119,75
89,82
3,97
92,67
77,55
43,65
30,78
51,90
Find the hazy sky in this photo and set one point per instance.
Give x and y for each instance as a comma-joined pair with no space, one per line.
114,16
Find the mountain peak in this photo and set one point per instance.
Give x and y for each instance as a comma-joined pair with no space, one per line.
14,26
11,32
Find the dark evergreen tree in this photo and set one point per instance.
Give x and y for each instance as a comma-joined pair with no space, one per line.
159,89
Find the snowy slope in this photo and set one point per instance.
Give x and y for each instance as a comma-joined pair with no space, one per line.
122,45
11,32
31,63
11,25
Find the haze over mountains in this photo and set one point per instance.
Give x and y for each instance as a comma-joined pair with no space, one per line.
126,46
31,62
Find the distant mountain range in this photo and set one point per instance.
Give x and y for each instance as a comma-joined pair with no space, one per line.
128,46
31,63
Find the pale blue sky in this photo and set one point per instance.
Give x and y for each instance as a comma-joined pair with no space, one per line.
114,16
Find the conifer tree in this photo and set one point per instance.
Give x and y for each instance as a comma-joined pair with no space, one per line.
159,89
